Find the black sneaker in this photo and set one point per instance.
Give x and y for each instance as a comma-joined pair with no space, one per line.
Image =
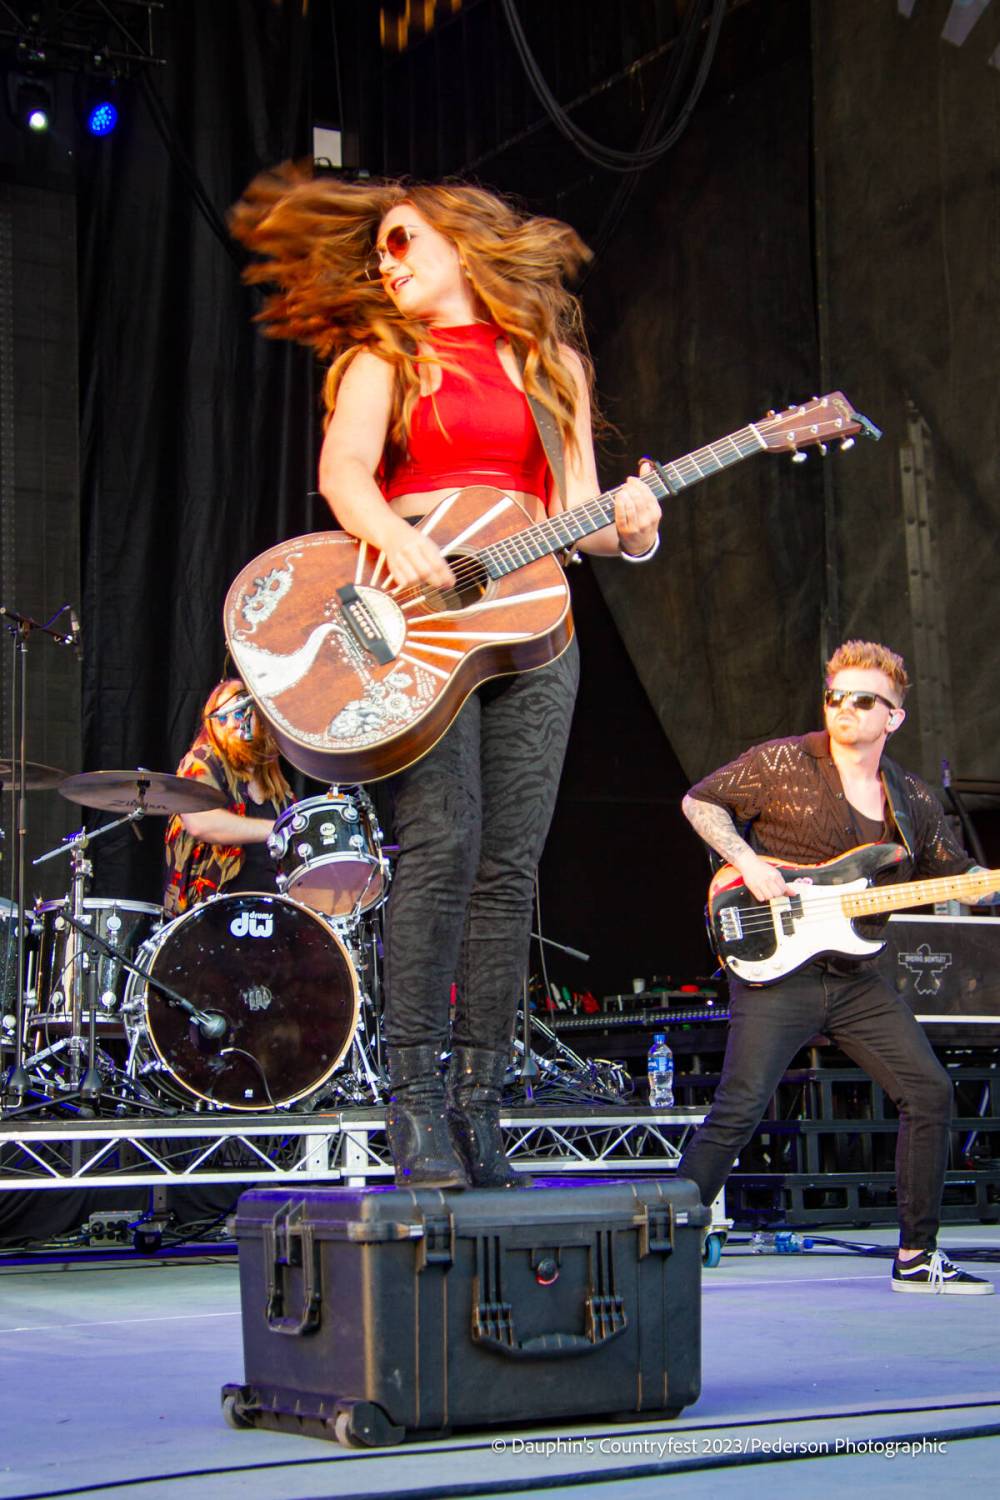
933,1272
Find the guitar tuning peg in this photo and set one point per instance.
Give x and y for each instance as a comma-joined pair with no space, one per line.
771,413
824,449
847,443
798,457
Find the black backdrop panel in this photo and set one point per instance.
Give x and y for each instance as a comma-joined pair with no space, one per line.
39,502
703,316
197,432
908,127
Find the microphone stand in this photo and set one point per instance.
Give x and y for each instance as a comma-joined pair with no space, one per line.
530,1071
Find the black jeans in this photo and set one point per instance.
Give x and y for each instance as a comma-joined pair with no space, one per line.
876,1029
471,819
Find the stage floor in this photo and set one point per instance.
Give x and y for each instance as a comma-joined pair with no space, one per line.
110,1375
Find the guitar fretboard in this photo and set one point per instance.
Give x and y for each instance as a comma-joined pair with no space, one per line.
571,526
881,898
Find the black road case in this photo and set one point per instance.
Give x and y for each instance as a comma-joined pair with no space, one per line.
372,1313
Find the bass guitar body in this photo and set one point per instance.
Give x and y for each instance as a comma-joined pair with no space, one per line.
762,942
358,678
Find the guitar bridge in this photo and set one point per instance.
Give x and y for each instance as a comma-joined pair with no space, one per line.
363,625
730,924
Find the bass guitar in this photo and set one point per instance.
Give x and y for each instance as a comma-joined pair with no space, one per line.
359,678
764,941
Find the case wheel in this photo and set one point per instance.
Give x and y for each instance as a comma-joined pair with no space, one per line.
362,1424
342,1431
711,1251
232,1414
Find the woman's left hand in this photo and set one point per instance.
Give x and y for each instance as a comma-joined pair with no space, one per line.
637,515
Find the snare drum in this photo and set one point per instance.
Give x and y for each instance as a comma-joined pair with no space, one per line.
280,991
328,852
124,924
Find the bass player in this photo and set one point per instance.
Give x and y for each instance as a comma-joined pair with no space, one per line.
805,800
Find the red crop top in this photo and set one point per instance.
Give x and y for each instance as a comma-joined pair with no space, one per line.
471,431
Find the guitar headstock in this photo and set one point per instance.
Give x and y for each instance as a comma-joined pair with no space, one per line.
816,423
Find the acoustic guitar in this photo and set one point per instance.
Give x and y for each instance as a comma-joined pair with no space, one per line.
359,678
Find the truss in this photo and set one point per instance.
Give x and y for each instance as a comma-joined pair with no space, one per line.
347,1147
118,36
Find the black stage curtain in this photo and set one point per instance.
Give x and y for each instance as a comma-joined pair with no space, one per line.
703,318
908,134
197,433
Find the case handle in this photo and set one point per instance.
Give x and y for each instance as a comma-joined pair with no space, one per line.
289,1243
493,1325
493,1318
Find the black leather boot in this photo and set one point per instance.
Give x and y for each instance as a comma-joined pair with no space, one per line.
474,1081
416,1121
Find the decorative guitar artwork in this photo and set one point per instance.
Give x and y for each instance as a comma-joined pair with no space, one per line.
762,942
359,678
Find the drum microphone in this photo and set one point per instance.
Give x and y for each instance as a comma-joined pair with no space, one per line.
211,1025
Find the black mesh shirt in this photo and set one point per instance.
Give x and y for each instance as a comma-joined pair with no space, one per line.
786,797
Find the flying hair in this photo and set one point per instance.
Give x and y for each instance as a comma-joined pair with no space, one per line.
313,236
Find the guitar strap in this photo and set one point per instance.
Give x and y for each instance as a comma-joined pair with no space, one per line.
895,787
548,431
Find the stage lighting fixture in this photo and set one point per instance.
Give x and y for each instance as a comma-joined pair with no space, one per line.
97,99
102,117
33,104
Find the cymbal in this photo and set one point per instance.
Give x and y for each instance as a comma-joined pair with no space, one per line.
36,778
155,791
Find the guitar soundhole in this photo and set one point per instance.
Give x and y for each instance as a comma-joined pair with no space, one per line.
471,583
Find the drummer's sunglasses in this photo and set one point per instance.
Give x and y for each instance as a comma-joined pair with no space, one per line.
396,244
835,697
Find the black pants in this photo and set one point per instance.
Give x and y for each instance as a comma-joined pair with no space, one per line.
877,1030
471,820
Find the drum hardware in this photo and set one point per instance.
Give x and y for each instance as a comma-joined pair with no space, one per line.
138,793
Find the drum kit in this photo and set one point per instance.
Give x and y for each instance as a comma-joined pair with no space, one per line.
252,1001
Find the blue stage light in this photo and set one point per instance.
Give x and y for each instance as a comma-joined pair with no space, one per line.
102,117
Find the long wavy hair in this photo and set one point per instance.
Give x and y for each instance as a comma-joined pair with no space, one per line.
255,759
314,236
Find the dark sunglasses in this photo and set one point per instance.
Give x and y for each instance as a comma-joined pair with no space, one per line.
836,697
223,715
396,243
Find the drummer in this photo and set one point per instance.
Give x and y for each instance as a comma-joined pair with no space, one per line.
226,848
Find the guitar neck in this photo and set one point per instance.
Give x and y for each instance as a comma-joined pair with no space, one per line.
920,893
564,530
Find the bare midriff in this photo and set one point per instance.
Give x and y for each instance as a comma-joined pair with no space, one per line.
421,502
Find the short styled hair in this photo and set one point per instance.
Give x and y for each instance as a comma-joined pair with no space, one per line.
874,657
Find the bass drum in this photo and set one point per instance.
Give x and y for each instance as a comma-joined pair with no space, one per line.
277,985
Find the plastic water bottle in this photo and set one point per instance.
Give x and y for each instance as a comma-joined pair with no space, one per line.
661,1073
784,1242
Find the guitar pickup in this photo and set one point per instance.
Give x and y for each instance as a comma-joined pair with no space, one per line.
363,625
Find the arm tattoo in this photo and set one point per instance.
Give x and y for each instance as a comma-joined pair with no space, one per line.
716,827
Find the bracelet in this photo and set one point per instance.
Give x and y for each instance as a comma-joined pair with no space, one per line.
640,557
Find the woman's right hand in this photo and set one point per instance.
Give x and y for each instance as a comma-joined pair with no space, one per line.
412,558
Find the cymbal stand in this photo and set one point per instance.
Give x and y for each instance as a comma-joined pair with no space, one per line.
21,627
